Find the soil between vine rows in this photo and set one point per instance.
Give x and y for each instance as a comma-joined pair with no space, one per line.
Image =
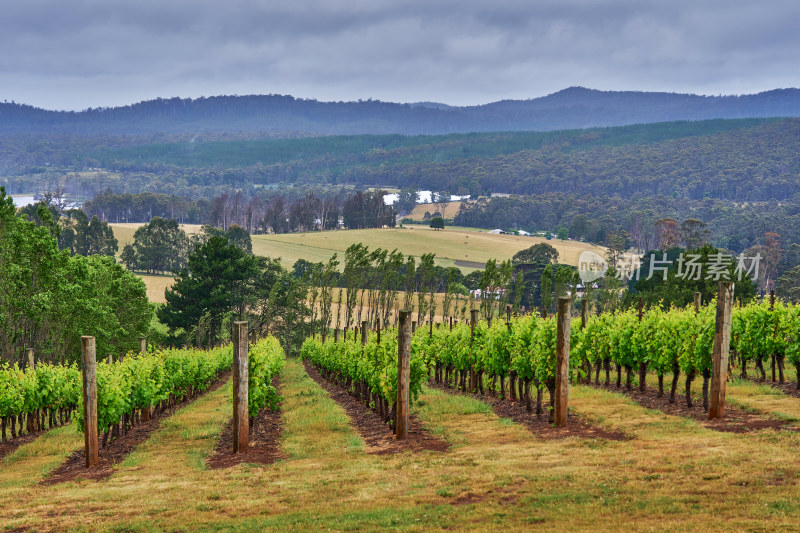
540,425
265,434
377,435
736,420
74,468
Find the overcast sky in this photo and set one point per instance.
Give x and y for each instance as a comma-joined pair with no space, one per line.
73,54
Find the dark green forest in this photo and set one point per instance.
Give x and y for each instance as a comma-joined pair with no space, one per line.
740,177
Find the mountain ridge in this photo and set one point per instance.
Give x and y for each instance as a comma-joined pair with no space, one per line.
571,108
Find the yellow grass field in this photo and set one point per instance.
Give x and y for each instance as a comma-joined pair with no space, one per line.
124,231
418,213
156,286
465,248
449,245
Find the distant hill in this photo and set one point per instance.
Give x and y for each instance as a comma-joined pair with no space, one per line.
573,108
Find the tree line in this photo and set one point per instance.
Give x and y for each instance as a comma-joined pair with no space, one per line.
49,296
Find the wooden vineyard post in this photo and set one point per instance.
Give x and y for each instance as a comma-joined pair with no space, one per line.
584,323
378,331
90,437
508,313
403,372
110,359
413,326
771,309
31,359
562,362
336,335
719,357
143,350
241,377
584,313
697,301
430,329
473,323
643,364
451,323
363,333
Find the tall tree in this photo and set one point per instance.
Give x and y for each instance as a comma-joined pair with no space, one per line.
217,280
695,233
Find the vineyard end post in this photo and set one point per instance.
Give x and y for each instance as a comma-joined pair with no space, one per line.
719,357
698,298
403,375
31,359
363,333
142,350
562,362
473,323
90,433
584,313
241,380
413,326
772,308
336,335
378,331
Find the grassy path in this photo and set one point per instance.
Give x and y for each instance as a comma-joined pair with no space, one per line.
673,474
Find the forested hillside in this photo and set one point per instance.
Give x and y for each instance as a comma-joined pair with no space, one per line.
575,107
738,176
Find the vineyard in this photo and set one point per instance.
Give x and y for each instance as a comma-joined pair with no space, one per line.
480,357
129,390
458,374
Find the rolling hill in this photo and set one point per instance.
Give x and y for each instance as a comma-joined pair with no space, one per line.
571,108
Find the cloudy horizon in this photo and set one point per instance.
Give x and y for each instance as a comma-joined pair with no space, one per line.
95,53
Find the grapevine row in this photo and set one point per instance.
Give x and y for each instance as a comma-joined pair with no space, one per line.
368,372
29,398
674,342
127,389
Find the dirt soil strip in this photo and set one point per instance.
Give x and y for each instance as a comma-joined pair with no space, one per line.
75,466
736,420
539,425
265,435
377,435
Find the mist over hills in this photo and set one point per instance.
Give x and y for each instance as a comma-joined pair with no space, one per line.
572,108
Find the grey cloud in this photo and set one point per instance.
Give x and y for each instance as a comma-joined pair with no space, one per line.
104,52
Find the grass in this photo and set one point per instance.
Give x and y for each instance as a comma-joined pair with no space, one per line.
124,231
672,475
449,245
418,213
